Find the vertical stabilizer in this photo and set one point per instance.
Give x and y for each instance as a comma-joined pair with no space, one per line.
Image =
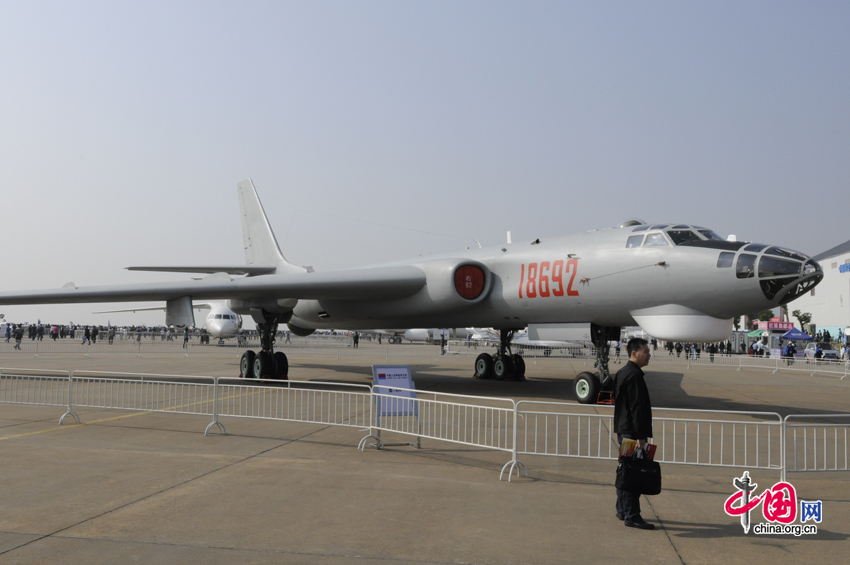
261,246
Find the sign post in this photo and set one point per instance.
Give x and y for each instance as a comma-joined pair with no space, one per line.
393,396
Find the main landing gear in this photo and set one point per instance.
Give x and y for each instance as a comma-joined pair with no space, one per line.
503,365
266,364
593,388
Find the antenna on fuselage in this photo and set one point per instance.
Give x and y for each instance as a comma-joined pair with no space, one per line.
509,236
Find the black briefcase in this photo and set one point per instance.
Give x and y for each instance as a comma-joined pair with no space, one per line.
638,475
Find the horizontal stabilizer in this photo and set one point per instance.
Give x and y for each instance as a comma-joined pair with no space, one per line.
229,269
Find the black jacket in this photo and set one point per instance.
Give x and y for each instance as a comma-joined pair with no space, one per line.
632,409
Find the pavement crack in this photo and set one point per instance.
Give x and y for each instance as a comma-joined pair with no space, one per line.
666,533
164,490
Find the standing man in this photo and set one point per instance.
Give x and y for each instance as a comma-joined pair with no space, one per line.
632,420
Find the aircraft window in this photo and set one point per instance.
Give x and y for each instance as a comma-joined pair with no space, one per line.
634,241
725,260
710,235
641,228
798,290
779,252
659,226
682,236
655,240
218,316
772,267
681,227
772,287
755,247
746,267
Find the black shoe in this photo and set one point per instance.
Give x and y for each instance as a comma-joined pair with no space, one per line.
621,517
639,523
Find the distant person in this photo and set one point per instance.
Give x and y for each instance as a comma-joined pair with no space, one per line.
94,332
712,349
679,349
355,337
632,420
617,352
8,333
19,335
86,334
288,337
186,337
111,335
669,347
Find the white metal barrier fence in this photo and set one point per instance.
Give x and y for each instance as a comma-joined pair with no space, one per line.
477,421
754,440
21,386
332,404
816,444
685,437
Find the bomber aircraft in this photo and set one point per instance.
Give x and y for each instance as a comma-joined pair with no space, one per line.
676,281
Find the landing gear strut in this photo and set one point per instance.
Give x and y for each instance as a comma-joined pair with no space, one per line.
266,364
588,385
503,365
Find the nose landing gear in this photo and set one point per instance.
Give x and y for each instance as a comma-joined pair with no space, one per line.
504,365
588,385
266,364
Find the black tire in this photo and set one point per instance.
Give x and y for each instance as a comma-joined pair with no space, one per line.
264,366
519,366
484,366
282,364
503,367
246,365
587,387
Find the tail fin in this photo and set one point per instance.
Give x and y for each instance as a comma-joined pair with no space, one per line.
261,246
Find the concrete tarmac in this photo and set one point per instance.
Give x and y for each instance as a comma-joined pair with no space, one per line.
150,488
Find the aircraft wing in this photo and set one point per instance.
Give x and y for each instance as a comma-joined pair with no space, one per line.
209,269
355,284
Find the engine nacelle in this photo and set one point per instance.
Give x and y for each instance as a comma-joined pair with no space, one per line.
298,330
672,322
418,334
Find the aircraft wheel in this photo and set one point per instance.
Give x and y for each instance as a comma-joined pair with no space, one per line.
264,366
503,367
519,367
587,388
484,366
246,365
282,365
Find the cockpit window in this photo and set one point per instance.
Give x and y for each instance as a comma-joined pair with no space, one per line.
659,226
746,267
755,247
780,252
655,240
641,228
681,227
710,235
725,260
218,316
634,241
773,267
682,236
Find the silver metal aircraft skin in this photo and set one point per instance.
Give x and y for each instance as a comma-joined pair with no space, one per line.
676,281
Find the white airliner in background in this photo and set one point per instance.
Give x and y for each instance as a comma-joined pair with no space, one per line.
221,322
676,281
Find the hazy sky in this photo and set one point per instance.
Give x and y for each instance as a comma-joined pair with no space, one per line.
381,130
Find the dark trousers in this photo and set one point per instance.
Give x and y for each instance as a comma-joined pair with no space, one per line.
628,503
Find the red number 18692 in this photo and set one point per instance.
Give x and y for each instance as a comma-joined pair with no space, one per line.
547,279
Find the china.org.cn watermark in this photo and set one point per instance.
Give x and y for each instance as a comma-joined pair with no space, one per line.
779,506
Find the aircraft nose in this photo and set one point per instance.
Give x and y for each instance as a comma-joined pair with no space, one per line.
785,275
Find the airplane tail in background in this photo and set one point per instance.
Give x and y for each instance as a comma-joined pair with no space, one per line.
261,246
